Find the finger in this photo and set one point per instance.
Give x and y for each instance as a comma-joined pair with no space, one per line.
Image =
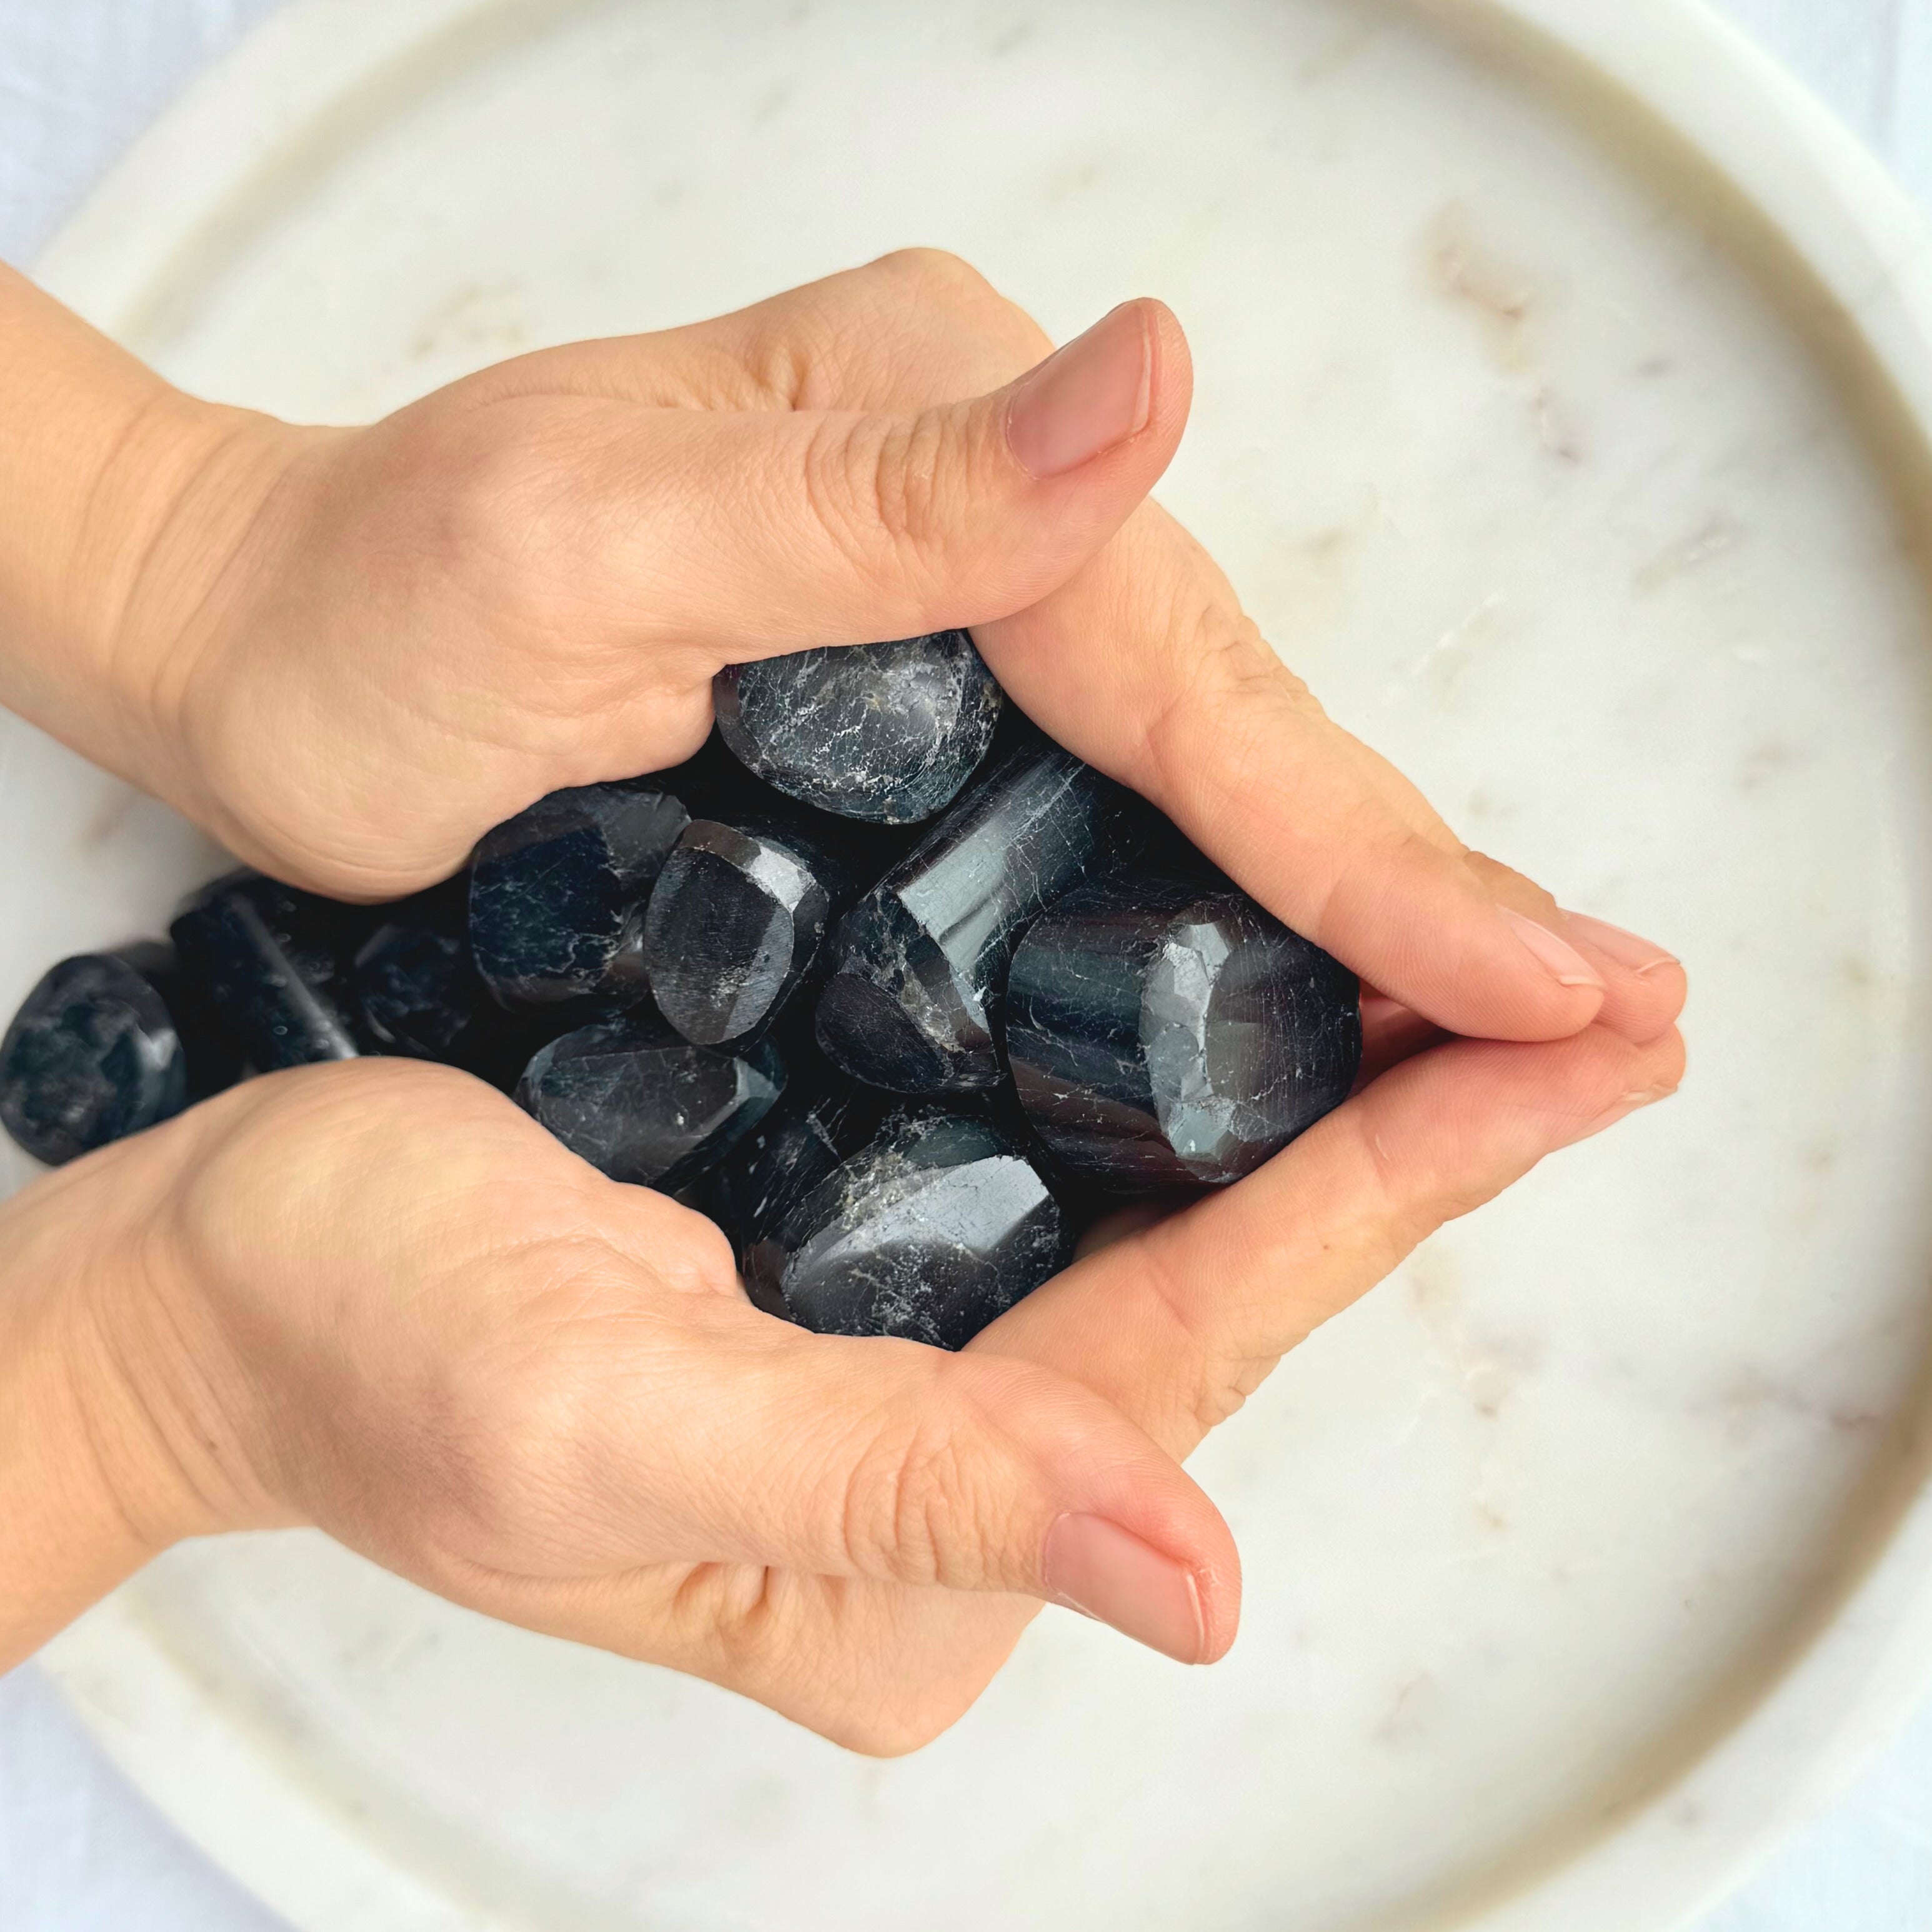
756,532
1184,702
744,1440
917,326
1177,1323
1644,986
1391,1033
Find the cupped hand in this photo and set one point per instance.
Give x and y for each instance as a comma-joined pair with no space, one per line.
366,647
376,1298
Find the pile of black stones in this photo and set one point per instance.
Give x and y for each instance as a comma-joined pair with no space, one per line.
896,991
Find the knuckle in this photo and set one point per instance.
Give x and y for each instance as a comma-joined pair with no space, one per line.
919,1506
885,1732
942,283
878,489
1506,882
1190,1360
1221,677
937,273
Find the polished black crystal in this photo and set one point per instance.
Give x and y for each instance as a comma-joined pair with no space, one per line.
642,1104
417,992
736,924
557,895
1162,1032
934,1229
420,995
824,1118
886,731
272,962
918,965
93,1055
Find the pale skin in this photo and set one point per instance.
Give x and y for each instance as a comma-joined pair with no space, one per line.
377,1298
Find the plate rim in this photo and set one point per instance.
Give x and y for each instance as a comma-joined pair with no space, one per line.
224,155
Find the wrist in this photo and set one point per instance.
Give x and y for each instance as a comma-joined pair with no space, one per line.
120,496
106,1457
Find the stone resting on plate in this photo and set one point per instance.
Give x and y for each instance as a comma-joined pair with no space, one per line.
898,992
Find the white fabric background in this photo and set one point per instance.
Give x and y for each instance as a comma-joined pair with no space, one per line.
80,1850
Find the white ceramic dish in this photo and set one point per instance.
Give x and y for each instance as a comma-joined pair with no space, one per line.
1566,395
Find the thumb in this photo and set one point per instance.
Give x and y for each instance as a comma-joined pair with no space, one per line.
886,1460
767,531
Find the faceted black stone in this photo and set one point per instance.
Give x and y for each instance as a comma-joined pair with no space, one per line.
887,731
919,966
824,1118
737,921
933,1230
93,1055
1164,1031
420,996
417,992
642,1104
557,894
272,962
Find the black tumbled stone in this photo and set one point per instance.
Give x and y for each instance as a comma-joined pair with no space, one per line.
93,1054
642,1104
919,966
1162,1032
272,962
933,1230
417,992
736,921
824,1119
557,895
889,732
421,996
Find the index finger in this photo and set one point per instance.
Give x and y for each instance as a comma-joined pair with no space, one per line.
1177,1323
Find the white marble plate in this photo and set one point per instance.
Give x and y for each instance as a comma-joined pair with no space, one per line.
1563,416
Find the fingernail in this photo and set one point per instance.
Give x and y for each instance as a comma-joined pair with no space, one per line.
1627,949
1561,961
1085,398
1097,1567
1644,1096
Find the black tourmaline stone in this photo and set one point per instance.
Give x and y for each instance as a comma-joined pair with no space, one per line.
272,962
735,923
642,1104
825,1118
1162,1032
889,732
556,896
420,996
929,1233
93,1055
918,965
417,992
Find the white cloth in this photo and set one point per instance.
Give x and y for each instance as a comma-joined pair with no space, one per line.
80,1851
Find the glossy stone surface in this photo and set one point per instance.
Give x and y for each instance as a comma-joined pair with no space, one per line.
736,922
93,1055
825,1118
1163,1032
918,973
417,993
272,962
642,1104
420,995
557,895
931,1231
887,731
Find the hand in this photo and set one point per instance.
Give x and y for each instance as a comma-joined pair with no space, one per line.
355,651
376,1298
